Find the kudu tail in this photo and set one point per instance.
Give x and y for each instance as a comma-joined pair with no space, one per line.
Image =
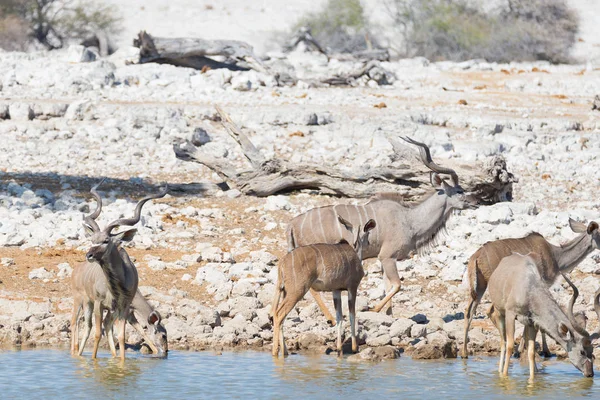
279,292
290,238
472,272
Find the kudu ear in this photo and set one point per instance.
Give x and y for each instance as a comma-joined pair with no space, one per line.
439,183
564,332
154,318
578,227
346,223
89,231
125,236
369,225
593,226
436,180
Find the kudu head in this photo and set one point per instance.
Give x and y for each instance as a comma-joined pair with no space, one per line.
104,241
457,198
360,237
579,346
157,332
590,229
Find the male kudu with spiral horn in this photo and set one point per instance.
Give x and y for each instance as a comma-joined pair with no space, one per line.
120,276
400,228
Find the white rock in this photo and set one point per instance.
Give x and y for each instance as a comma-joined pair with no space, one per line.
64,270
274,203
40,273
20,112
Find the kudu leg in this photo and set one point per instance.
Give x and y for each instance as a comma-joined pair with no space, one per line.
545,350
391,272
285,306
352,313
509,322
531,334
276,323
337,303
87,314
122,325
98,323
498,322
522,345
317,296
77,303
470,313
109,321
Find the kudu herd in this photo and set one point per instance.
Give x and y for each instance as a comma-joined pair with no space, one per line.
326,246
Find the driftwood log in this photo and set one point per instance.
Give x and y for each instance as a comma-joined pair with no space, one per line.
491,182
196,53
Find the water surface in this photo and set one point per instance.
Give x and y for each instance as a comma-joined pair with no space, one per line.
53,373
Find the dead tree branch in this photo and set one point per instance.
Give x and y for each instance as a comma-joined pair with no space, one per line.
491,182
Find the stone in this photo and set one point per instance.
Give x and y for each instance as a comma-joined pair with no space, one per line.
200,137
78,54
263,257
7,262
310,340
157,265
381,340
418,330
401,327
64,270
246,306
40,273
419,318
372,320
210,273
369,354
20,112
275,203
244,287
425,351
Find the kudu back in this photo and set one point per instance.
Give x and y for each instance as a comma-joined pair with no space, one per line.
400,228
120,274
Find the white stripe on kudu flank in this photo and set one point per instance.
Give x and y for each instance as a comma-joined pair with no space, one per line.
301,231
360,223
324,238
339,225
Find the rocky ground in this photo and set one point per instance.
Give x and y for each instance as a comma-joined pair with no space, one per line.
207,261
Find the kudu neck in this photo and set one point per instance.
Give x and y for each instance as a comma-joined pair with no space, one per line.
113,267
570,254
427,218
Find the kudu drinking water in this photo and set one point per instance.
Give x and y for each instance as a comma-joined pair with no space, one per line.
518,291
321,267
89,284
400,228
121,278
555,260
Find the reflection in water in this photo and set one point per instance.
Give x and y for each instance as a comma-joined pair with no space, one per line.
55,374
109,372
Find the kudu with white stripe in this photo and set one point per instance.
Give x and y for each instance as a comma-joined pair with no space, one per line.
120,274
89,284
321,267
518,291
555,260
400,228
